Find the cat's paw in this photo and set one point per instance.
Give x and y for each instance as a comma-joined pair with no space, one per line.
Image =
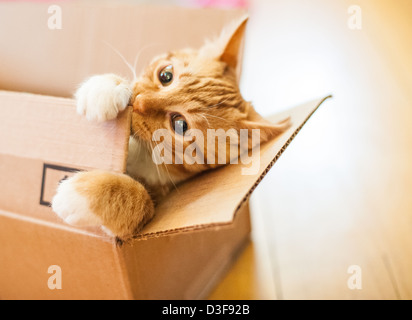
73,207
102,97
113,201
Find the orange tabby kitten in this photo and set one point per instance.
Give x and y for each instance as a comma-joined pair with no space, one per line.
179,92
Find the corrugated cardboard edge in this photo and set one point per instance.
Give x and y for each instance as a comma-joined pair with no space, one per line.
193,228
270,165
122,267
129,112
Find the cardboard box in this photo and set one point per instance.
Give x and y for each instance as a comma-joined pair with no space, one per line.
198,229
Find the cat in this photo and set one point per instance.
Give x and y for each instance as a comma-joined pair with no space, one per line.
178,91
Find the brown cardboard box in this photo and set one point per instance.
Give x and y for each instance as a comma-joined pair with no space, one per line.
198,229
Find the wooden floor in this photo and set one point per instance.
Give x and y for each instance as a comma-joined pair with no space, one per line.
341,195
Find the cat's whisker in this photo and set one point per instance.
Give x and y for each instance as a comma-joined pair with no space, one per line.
204,117
217,104
136,59
124,60
150,144
210,115
170,178
168,173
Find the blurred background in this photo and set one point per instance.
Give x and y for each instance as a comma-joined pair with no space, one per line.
341,195
337,206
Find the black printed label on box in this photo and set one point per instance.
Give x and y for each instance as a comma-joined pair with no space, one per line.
52,176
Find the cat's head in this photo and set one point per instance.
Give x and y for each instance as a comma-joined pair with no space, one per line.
196,89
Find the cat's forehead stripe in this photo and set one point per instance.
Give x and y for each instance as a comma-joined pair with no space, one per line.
187,74
169,55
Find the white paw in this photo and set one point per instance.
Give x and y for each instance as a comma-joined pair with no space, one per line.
72,207
102,97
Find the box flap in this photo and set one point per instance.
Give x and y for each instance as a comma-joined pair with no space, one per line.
213,198
48,128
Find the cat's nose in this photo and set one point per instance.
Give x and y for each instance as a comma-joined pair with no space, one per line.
139,105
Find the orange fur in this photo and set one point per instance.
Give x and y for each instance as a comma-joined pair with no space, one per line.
122,203
205,92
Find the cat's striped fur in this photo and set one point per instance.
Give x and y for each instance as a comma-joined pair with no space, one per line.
204,92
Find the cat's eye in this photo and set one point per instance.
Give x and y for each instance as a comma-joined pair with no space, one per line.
179,123
166,75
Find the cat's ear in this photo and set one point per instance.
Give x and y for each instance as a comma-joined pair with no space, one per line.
231,53
267,130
